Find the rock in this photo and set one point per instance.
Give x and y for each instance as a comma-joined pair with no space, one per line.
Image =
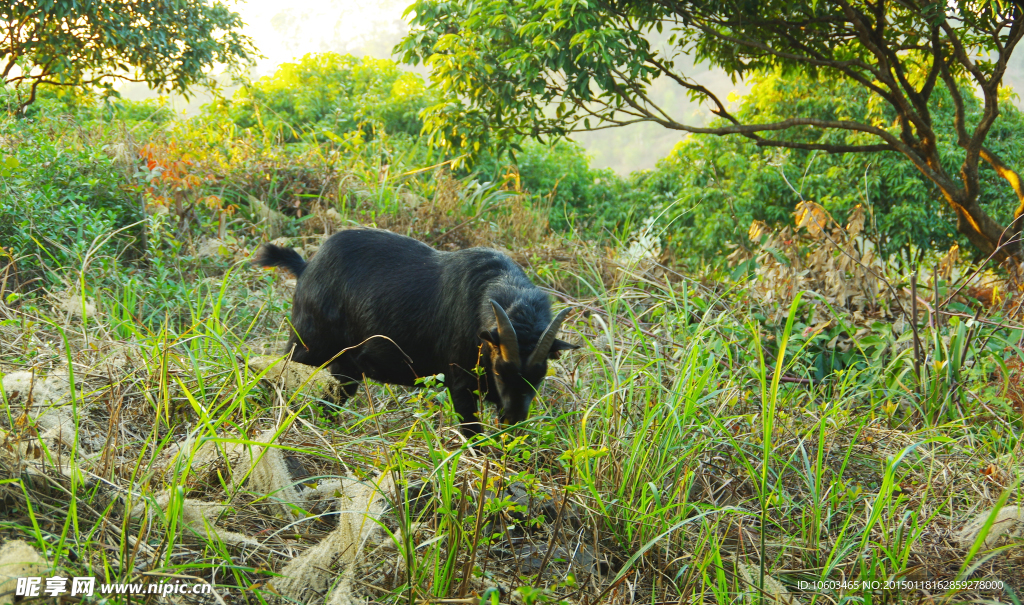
213,247
318,383
412,200
332,564
272,221
530,506
115,358
776,591
288,287
44,389
75,306
19,560
266,347
530,557
1008,524
19,385
309,250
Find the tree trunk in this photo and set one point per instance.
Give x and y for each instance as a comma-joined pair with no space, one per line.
1013,232
987,235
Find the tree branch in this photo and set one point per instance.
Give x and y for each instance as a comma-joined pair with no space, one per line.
842,66
872,41
959,115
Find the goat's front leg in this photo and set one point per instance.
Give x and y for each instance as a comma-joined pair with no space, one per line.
464,400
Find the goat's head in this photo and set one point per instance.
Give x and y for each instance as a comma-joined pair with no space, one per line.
518,381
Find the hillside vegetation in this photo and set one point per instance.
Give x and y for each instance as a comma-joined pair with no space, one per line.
792,383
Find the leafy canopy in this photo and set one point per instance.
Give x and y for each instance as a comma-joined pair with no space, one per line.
169,44
552,67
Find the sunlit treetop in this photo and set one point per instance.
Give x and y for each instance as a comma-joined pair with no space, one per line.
330,92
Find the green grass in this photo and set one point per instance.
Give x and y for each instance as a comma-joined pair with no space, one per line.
688,452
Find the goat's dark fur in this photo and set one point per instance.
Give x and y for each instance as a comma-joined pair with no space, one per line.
404,310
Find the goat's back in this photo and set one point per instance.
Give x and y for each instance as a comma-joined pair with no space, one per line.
366,283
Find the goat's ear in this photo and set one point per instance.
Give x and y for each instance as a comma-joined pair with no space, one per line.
491,337
558,346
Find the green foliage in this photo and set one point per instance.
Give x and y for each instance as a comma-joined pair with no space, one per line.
74,187
713,188
368,108
62,194
499,56
587,198
169,44
555,67
141,114
328,93
54,101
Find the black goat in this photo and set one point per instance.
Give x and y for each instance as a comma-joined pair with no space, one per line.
401,310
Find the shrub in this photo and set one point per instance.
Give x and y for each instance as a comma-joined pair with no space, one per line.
332,93
64,190
593,200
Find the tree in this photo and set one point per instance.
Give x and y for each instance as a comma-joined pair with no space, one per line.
333,93
553,67
169,44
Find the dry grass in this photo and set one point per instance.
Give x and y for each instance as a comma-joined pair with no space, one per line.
641,478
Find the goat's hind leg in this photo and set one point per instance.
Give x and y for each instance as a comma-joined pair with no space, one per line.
342,370
300,353
346,373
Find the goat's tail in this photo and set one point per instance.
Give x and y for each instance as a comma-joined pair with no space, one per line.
276,256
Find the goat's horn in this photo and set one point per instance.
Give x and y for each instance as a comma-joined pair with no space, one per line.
547,339
506,336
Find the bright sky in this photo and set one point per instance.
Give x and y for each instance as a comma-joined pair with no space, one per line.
285,31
